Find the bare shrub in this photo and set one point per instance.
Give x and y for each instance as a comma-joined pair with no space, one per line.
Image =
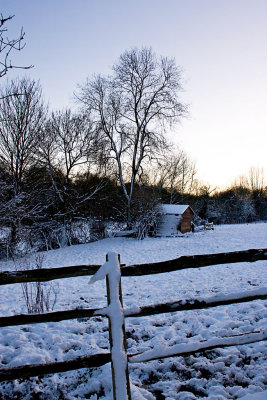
39,296
80,231
146,219
97,229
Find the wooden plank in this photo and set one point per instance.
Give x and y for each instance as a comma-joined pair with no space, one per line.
96,360
28,371
196,261
181,305
183,262
196,347
191,304
24,319
46,274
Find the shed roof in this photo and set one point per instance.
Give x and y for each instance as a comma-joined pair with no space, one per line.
174,208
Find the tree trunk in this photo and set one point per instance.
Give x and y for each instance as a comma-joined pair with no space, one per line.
129,213
14,234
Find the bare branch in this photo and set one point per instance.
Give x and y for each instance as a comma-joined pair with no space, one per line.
132,107
7,46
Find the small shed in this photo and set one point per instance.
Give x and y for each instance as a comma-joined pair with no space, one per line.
175,218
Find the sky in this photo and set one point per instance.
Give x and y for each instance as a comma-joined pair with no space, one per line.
221,46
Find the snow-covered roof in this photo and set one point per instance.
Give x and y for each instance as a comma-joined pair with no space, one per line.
174,208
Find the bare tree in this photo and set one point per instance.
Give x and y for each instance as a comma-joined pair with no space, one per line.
69,145
256,179
7,46
21,122
75,140
132,108
176,173
253,180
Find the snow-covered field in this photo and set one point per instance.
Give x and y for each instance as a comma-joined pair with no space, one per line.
230,373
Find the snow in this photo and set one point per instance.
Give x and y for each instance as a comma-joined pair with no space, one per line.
174,208
114,311
224,238
162,352
256,292
224,373
256,396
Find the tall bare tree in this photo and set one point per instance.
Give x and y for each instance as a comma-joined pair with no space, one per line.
132,108
21,122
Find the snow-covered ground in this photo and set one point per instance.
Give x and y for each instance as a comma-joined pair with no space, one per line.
230,373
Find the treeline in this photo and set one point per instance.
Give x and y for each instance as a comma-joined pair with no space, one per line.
62,167
67,177
237,204
49,211
59,183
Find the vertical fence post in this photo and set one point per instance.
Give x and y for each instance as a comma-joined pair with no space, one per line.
117,337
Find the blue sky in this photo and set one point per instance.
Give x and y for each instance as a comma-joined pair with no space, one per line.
221,46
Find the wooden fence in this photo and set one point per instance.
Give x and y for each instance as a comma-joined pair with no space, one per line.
97,360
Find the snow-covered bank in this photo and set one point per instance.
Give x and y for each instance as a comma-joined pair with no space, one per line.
219,374
223,238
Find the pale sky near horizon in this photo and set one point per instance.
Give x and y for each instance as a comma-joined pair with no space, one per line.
221,46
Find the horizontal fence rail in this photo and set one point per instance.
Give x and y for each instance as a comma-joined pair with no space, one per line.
29,371
183,262
46,274
186,349
97,360
194,304
181,305
196,261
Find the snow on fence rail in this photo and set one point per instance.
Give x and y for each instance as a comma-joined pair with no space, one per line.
116,314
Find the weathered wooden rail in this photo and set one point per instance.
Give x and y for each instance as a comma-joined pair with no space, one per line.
184,262
196,261
182,305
